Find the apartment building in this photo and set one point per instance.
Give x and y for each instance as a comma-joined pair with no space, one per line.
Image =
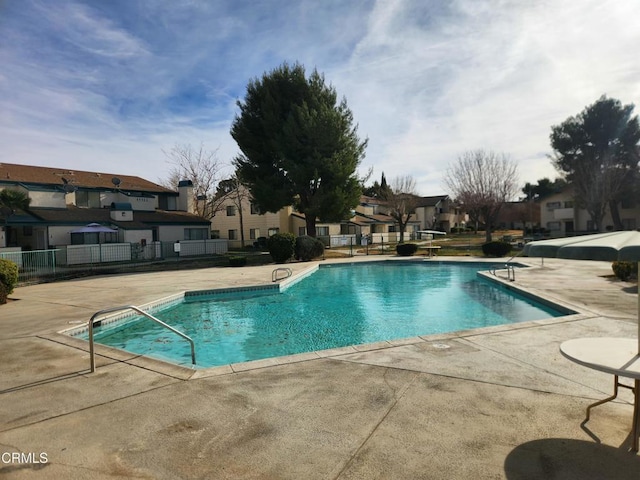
560,215
439,212
64,201
370,219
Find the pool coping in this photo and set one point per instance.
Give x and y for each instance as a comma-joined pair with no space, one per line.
107,355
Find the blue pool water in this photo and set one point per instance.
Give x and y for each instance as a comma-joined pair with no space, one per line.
334,307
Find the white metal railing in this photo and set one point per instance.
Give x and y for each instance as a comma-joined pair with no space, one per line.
141,312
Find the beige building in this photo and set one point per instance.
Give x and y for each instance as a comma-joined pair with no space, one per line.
560,215
238,215
370,219
439,212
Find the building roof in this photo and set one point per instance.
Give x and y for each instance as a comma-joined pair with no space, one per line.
365,200
72,216
431,201
28,174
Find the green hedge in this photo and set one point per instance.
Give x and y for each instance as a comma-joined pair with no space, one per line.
406,249
307,248
8,279
625,270
496,249
281,246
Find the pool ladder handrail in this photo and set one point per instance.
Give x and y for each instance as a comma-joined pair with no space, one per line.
92,321
511,269
274,274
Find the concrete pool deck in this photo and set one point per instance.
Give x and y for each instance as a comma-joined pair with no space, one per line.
496,403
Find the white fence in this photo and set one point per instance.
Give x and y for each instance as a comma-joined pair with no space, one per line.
189,248
43,265
99,253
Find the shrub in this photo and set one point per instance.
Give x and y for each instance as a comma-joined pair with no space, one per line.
307,248
496,249
237,261
281,246
406,249
625,270
8,279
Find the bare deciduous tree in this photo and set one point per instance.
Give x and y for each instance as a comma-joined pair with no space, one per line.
483,181
203,168
402,200
232,189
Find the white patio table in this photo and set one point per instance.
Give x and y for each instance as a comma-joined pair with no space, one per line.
617,356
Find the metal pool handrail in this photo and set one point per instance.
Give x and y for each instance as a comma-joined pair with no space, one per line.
141,312
274,274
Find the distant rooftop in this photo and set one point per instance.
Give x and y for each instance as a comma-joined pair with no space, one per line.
15,173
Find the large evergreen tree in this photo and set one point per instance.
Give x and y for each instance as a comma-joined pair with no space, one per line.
597,150
378,190
543,188
299,146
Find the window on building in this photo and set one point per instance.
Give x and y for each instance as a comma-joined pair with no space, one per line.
254,233
302,231
568,204
87,199
195,233
27,231
273,231
231,211
254,209
392,228
324,231
553,205
233,234
215,233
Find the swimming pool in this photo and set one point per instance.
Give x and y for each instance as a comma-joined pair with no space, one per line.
336,306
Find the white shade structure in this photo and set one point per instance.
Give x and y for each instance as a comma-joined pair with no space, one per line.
608,247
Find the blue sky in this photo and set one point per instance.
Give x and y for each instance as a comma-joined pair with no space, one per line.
109,85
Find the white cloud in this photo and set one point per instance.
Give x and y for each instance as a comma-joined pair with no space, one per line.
493,75
86,85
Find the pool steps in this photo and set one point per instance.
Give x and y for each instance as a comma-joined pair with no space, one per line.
95,320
